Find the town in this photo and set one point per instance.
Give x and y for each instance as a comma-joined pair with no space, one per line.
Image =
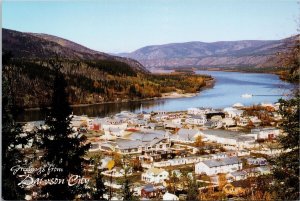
223,150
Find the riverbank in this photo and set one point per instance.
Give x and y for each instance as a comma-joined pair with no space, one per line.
170,95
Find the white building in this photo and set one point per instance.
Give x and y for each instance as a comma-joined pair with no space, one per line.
115,131
233,112
196,120
185,135
169,196
216,166
227,122
266,133
241,121
230,139
198,111
176,121
155,175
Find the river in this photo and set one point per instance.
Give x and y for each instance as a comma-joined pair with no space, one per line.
227,90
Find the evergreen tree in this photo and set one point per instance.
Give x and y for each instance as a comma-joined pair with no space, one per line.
100,188
286,166
192,192
11,155
127,193
63,148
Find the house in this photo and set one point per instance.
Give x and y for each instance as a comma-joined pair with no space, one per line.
257,171
237,175
213,124
219,155
160,117
233,112
198,111
243,121
263,170
230,139
185,135
196,120
140,146
255,120
115,131
243,152
33,125
150,191
155,175
145,115
216,166
257,161
137,122
170,196
117,172
171,126
78,121
228,122
235,188
151,126
140,142
266,133
176,121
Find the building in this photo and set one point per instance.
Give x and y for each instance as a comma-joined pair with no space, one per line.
169,196
198,111
185,135
266,133
228,122
230,139
257,161
199,120
233,112
140,143
216,166
155,175
150,191
237,175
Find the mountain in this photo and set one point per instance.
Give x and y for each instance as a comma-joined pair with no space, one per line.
245,53
92,76
41,46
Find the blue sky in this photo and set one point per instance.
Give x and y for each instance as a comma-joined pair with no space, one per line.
126,25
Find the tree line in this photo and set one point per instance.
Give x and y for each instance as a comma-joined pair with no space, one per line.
91,82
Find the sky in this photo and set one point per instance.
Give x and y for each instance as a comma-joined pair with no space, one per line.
115,26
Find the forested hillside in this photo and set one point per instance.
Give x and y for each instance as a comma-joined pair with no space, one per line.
93,77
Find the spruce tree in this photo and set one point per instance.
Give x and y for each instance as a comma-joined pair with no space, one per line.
11,155
127,193
62,147
100,188
192,192
286,165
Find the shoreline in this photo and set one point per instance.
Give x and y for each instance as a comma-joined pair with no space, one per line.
170,95
226,70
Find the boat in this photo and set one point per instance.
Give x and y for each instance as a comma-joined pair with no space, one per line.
247,96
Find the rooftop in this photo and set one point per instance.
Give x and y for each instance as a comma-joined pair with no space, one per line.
223,133
222,162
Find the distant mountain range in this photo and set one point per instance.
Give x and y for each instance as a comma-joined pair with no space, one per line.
245,53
